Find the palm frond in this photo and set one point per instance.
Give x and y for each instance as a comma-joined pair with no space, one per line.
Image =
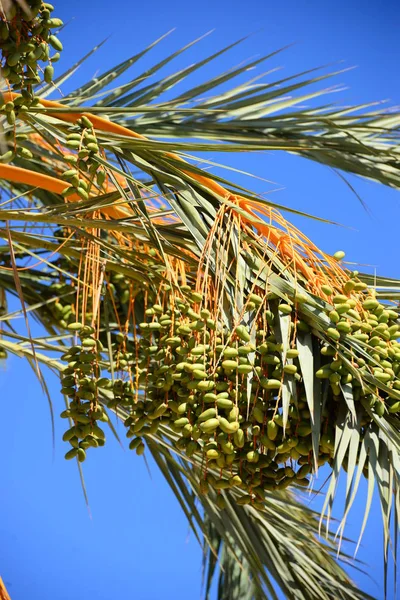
254,116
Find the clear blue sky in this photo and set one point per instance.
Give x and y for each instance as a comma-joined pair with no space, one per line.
137,543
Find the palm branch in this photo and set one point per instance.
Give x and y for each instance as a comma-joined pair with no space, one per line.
158,201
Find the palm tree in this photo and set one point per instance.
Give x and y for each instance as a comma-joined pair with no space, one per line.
130,224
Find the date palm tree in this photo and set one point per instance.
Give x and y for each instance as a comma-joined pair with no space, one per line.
110,211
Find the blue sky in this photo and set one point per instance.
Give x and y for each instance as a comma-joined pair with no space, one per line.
136,543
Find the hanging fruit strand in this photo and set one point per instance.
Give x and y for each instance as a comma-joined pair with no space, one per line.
275,236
